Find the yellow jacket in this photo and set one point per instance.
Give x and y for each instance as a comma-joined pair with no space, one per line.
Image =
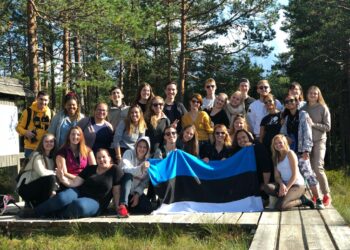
202,124
39,122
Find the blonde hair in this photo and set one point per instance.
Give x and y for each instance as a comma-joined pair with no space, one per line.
320,99
238,93
238,117
263,81
150,116
227,140
141,125
210,80
276,155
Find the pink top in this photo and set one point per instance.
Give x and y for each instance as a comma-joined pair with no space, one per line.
74,165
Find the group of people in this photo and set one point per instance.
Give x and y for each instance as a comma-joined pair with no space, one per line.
78,163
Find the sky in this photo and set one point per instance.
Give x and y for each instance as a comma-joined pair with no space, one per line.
279,43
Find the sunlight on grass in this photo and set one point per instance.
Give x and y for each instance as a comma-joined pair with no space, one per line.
339,182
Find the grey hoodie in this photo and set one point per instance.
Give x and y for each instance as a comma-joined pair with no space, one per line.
130,164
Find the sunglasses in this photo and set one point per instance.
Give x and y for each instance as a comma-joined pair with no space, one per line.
210,86
170,133
158,104
264,87
268,102
289,101
195,101
220,133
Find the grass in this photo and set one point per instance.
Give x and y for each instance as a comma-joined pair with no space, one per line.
206,237
339,181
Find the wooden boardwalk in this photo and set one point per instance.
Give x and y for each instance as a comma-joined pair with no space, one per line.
296,229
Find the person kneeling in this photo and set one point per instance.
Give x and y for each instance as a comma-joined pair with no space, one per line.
289,186
135,180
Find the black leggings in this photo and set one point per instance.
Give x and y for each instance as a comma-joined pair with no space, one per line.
38,190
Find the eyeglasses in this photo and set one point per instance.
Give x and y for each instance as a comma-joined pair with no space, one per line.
289,101
158,104
195,101
210,86
268,102
220,133
170,133
264,87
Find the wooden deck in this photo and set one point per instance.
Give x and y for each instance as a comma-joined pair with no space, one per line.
296,229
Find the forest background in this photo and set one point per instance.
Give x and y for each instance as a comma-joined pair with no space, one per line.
91,45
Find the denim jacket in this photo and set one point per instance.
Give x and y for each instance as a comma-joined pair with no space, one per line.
304,132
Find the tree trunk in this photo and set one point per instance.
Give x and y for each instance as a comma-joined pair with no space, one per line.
79,72
10,58
52,73
46,68
184,8
66,64
32,47
168,40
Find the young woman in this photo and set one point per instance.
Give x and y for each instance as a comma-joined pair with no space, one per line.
118,109
89,193
270,124
98,132
238,123
144,96
296,90
38,179
221,148
129,131
66,118
200,119
320,122
74,155
156,122
187,141
235,106
135,180
169,143
299,134
217,112
289,186
264,165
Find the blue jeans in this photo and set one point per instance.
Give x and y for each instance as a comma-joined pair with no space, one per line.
27,152
68,204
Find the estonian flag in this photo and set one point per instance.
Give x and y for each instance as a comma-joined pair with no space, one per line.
185,183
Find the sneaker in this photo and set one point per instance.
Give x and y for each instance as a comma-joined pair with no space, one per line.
306,202
319,204
122,211
326,200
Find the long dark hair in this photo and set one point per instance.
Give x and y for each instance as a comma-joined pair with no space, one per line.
235,143
192,146
41,150
72,96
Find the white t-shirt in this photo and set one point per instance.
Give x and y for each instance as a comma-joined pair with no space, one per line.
286,171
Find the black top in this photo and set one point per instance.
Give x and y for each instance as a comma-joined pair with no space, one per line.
272,125
247,102
175,112
99,186
142,106
292,130
156,134
220,118
209,151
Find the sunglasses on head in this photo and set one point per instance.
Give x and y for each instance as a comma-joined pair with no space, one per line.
264,87
195,101
268,101
210,86
289,101
158,104
170,133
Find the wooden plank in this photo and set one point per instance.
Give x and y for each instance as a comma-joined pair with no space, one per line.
291,217
311,217
265,237
270,218
332,217
317,237
291,237
229,218
249,219
209,218
341,236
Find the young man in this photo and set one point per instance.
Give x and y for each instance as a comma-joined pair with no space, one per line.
244,86
257,110
172,109
118,110
209,99
34,122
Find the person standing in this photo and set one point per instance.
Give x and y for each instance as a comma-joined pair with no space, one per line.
172,109
34,122
209,99
244,87
320,122
118,110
